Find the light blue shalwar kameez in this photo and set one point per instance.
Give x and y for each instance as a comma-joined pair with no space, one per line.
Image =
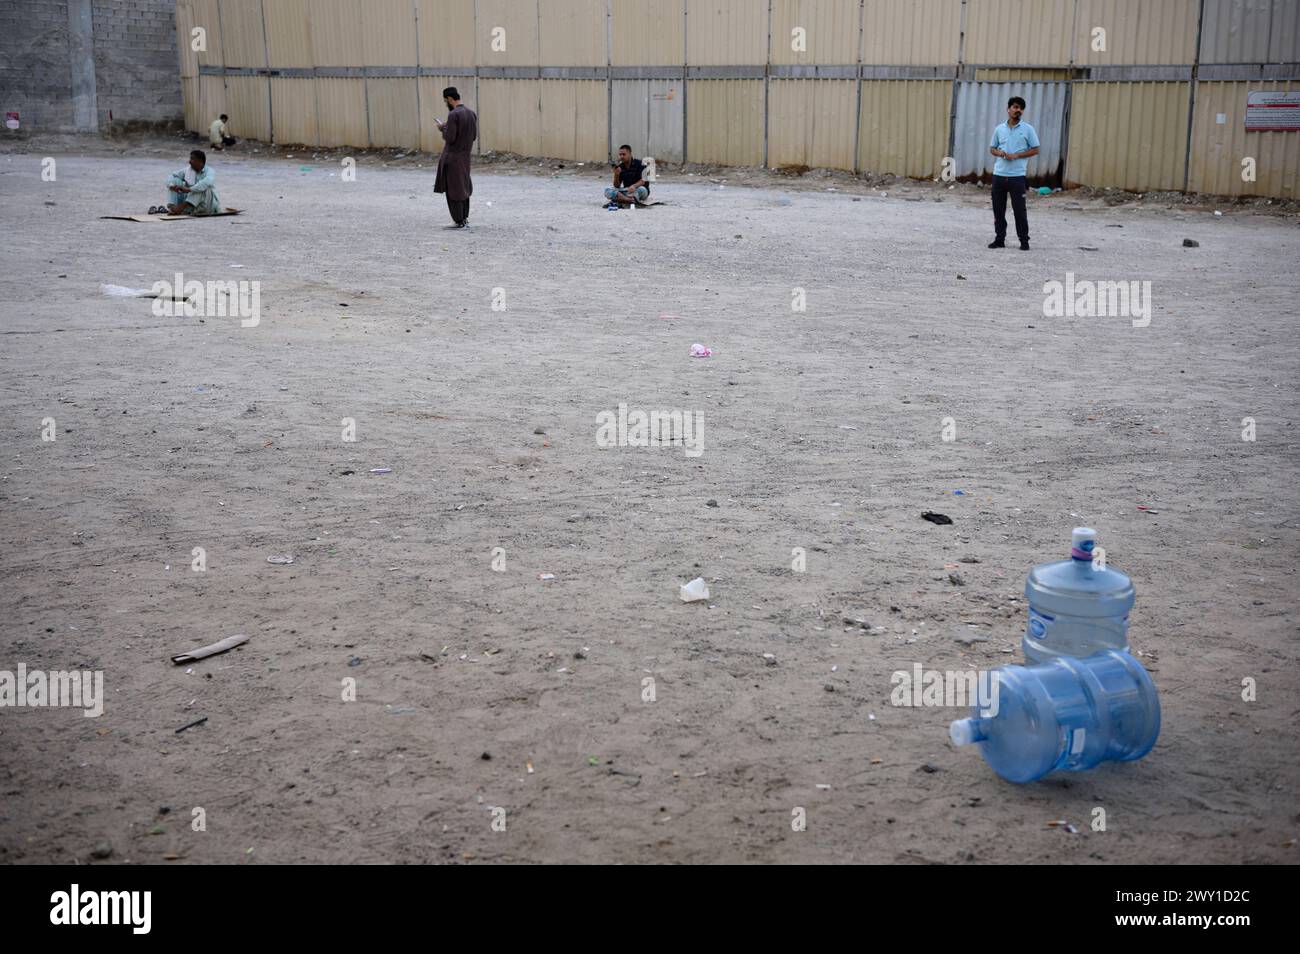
202,195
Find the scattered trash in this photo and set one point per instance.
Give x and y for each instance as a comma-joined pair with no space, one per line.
354,662
1044,190
961,277
1218,213
929,768
710,503
939,518
212,649
538,430
695,590
192,725
280,560
1191,243
699,351
769,658
1147,509
121,291
1040,726
381,470
399,710
823,786
959,493
304,168
1087,248
529,765
669,317
546,576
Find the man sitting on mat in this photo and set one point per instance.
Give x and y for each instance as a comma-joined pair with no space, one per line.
191,191
630,183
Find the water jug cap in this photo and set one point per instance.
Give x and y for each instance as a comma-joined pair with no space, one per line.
962,731
1082,543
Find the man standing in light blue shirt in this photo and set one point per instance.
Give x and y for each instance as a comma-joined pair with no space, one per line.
1013,143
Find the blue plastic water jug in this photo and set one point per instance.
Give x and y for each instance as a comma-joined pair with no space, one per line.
1068,714
1076,608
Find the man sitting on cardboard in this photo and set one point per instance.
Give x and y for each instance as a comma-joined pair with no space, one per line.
191,191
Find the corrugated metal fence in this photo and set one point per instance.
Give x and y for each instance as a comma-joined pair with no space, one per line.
1136,94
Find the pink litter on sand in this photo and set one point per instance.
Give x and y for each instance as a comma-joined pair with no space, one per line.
699,351
669,317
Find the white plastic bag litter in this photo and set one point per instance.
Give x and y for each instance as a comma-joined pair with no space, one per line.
121,291
695,590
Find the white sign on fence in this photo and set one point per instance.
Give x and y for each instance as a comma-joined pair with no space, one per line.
1272,112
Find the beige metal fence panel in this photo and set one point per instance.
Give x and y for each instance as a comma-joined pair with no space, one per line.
573,32
649,116
829,32
243,40
446,34
648,34
1128,135
506,33
904,127
510,116
189,58
726,32
725,122
388,32
1152,32
1218,148
341,111
575,119
205,14
911,32
288,33
1019,32
190,102
811,123
1235,31
336,33
248,101
1284,32
211,102
394,116
293,104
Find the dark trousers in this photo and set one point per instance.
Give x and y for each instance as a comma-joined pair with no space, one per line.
459,209
1015,185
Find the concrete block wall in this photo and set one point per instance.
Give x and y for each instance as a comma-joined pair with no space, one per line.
68,64
137,68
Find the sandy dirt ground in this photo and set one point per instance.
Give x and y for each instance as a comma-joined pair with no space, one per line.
478,689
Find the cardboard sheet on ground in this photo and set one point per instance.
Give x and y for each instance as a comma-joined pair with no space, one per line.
170,218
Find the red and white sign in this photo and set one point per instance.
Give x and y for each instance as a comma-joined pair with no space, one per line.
1278,112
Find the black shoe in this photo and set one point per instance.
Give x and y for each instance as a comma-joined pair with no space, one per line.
997,243
1024,246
